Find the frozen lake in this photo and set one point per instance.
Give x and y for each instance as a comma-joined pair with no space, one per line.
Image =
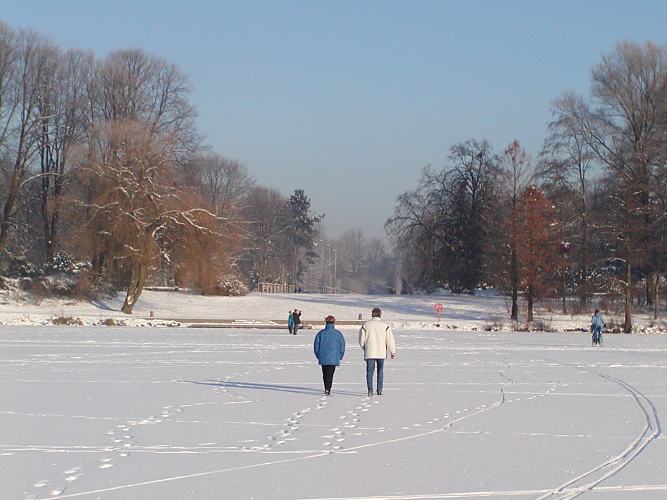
118,413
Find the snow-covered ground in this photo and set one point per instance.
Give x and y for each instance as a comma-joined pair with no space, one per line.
461,312
125,413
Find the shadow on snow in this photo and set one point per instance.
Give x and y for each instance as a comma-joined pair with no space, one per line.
271,387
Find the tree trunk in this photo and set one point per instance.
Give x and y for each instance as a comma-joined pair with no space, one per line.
7,211
529,298
564,290
650,288
627,325
583,271
514,281
657,296
135,287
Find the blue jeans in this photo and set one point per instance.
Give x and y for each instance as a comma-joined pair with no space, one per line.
370,369
597,333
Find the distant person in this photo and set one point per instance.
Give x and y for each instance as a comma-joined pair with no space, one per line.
290,323
296,318
377,340
597,323
329,347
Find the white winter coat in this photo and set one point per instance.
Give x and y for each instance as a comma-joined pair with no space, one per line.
376,339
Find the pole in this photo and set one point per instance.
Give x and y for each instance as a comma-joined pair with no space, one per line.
335,283
328,267
321,264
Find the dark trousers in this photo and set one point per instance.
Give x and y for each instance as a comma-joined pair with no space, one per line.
370,369
327,375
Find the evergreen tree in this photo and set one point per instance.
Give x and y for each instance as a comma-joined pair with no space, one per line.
300,228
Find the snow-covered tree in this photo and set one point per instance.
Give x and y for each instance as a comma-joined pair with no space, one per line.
138,213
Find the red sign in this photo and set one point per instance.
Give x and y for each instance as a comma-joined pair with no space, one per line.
438,308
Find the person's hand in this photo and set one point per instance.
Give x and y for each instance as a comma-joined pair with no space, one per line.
393,355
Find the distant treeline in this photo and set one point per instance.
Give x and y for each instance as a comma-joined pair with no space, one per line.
104,175
587,216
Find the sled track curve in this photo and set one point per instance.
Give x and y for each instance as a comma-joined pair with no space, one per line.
651,431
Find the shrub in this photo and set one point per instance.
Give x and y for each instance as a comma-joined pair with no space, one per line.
231,287
21,267
67,321
112,322
64,263
37,287
540,325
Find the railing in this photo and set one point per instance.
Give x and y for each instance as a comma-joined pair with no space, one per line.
287,288
274,288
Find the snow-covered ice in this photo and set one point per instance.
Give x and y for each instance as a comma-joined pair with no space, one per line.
118,413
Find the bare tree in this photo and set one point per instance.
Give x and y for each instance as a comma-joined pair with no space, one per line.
626,127
137,86
516,173
138,209
418,228
351,252
537,245
60,111
472,191
267,252
24,70
224,183
566,162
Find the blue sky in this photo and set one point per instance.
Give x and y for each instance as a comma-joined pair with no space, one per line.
350,99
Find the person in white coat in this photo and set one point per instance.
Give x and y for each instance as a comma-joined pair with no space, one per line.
377,341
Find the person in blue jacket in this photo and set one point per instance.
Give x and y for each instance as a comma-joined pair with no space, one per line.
329,350
597,323
290,323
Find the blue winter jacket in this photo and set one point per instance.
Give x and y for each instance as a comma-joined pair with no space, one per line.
329,346
290,320
597,320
